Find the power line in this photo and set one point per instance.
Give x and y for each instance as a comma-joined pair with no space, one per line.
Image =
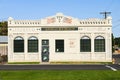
116,25
110,5
105,14
116,21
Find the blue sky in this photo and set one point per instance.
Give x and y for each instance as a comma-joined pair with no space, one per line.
37,9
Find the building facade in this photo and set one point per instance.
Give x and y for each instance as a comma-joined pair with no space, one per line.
60,38
3,45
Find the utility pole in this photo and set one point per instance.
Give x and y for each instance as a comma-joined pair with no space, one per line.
105,14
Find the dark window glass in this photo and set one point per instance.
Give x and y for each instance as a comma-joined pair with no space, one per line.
18,44
85,44
33,44
60,29
99,44
59,46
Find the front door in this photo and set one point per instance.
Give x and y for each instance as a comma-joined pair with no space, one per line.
45,50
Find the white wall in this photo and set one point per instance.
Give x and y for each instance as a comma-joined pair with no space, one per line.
71,52
92,27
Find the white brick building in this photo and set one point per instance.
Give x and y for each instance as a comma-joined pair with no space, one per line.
60,38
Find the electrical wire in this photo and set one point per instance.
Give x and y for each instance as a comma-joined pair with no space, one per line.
116,26
108,8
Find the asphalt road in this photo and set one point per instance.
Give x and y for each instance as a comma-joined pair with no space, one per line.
59,67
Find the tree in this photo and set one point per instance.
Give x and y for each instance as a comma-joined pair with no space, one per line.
117,41
4,28
113,43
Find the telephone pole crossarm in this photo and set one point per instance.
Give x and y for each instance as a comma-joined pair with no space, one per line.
105,14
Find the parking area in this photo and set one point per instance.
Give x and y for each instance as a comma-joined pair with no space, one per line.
116,58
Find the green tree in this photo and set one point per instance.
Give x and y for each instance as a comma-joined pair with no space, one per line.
113,43
117,41
4,28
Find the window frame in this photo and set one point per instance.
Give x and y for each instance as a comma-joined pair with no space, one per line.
99,44
18,44
33,44
83,46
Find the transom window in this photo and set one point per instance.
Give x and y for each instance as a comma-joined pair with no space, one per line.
85,44
60,29
99,44
59,45
18,44
32,44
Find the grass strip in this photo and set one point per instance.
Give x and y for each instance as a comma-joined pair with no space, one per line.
60,75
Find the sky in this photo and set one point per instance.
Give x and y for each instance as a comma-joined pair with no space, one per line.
82,9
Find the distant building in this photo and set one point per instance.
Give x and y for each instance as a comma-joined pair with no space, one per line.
117,51
60,38
3,45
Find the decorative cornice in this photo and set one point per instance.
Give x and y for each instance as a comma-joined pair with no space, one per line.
61,20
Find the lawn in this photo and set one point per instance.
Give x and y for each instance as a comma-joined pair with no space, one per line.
59,75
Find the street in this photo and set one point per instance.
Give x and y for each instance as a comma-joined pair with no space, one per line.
61,67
